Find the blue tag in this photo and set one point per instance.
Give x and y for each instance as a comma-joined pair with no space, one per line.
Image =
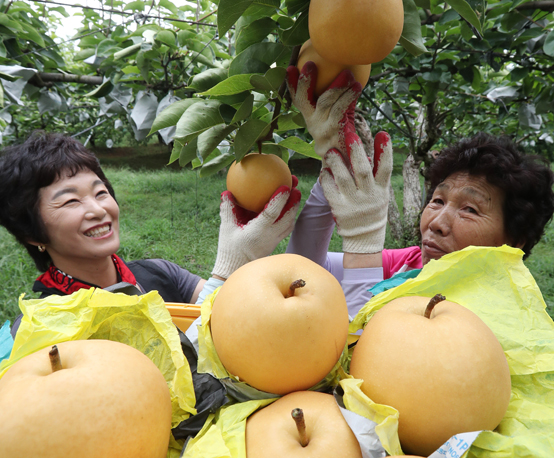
6,341
394,281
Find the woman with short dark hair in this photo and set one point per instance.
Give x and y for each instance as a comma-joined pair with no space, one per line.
30,166
525,181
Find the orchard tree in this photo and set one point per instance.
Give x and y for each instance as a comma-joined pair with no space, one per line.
459,68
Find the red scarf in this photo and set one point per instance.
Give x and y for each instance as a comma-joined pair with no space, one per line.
56,279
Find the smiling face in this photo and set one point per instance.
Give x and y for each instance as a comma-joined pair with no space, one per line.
81,219
464,210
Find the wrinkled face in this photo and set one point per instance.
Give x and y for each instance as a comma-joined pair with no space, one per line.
464,210
81,218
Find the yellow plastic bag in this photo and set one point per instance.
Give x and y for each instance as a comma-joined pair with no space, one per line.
495,284
223,434
386,417
143,322
209,362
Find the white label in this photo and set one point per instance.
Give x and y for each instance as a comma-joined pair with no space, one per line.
456,446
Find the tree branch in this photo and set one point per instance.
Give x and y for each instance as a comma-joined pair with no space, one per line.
127,13
536,5
543,6
41,79
406,120
433,133
282,90
404,71
385,114
49,79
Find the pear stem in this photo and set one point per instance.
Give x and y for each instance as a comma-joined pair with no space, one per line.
431,305
294,285
55,360
298,416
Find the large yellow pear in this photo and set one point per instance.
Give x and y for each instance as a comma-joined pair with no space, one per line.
253,180
355,32
275,333
272,432
327,71
104,400
445,374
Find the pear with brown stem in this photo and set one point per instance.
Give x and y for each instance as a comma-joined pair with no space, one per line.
438,364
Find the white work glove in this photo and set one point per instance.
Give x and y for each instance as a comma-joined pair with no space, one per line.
329,117
245,236
358,192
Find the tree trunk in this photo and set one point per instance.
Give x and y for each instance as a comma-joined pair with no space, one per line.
412,195
431,134
393,217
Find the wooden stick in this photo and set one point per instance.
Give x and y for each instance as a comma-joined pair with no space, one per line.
298,416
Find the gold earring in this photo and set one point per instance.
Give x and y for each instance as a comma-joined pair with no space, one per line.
41,248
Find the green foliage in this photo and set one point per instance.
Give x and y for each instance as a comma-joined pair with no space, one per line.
461,66
489,75
458,70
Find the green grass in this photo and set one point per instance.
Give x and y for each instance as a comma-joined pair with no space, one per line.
174,215
541,265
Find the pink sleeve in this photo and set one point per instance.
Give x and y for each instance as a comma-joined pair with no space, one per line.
401,260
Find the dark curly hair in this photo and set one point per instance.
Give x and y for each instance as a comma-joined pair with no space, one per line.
526,181
30,166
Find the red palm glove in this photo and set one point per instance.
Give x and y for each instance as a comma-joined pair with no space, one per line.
329,118
357,190
245,236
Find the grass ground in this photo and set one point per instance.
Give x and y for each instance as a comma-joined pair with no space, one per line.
172,214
